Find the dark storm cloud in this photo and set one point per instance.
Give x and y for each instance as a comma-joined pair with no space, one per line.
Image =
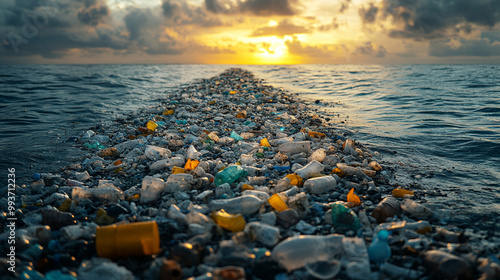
368,14
482,47
93,13
181,13
254,7
429,19
282,29
371,50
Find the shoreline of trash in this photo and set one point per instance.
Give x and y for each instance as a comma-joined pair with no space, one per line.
231,178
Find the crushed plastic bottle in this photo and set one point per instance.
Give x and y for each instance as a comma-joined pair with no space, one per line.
126,240
264,233
388,207
416,209
235,136
358,266
151,189
314,167
229,175
294,252
379,251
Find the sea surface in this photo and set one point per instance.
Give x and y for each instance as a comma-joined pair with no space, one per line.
439,124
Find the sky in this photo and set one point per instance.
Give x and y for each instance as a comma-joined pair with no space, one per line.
250,31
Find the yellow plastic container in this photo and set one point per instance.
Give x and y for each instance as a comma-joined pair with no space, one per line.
277,203
231,222
265,143
126,240
191,164
295,180
402,193
151,125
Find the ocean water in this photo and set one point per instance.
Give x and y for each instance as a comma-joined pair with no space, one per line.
439,124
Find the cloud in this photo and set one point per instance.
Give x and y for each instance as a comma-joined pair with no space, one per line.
368,14
430,19
254,7
93,13
481,47
344,6
368,48
282,29
327,27
297,48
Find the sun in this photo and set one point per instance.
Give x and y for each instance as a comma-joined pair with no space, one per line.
272,50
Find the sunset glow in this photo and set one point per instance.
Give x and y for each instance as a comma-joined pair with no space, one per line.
252,32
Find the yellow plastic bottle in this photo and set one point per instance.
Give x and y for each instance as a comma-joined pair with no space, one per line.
231,222
126,240
277,203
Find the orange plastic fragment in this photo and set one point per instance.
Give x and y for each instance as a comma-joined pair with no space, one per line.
191,164
228,221
265,143
315,134
232,92
168,112
177,170
402,193
241,115
277,203
211,102
295,180
247,187
351,197
117,162
338,171
424,230
135,197
151,125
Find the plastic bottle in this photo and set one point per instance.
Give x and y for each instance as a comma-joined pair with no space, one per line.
231,222
379,251
320,185
447,266
295,252
75,232
400,272
126,240
192,153
104,192
295,147
42,233
184,180
169,162
277,202
344,218
56,219
260,194
358,266
229,175
156,153
311,168
388,207
151,189
318,155
264,233
416,209
244,205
